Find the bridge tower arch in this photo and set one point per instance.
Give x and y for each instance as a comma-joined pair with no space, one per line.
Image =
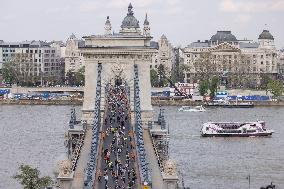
118,54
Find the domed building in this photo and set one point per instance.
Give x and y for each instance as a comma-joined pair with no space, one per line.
223,36
224,54
266,40
130,24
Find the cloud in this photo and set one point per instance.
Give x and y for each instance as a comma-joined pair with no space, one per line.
237,6
89,7
58,9
243,18
135,3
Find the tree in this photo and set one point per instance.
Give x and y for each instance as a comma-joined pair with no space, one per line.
203,87
213,86
275,87
29,178
76,78
10,73
178,73
161,75
154,78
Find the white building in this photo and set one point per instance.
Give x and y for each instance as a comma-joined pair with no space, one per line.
73,58
224,55
34,58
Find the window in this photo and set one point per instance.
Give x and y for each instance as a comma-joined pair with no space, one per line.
31,51
35,51
27,51
261,62
53,51
261,56
35,60
150,66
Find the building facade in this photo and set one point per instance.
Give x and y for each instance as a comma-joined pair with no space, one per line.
35,61
73,58
165,55
237,62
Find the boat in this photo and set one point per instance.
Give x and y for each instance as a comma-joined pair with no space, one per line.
235,129
192,109
230,104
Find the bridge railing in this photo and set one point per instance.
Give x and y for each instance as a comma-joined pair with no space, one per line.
143,164
91,167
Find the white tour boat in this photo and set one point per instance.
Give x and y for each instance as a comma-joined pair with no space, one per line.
192,109
235,129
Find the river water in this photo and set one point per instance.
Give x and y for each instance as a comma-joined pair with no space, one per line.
34,135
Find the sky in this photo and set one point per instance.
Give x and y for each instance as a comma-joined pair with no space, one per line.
182,21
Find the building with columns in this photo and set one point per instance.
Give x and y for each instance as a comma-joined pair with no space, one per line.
236,61
117,54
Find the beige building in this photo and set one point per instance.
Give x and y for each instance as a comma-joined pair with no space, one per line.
235,61
165,55
73,58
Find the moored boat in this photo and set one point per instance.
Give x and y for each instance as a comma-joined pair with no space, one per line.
235,129
192,109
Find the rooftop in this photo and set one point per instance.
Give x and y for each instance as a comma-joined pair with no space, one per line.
24,44
266,35
225,36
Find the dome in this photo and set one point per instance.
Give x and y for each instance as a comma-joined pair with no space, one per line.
223,36
266,35
130,21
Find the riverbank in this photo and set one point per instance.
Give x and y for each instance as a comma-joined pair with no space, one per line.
185,102
155,102
42,102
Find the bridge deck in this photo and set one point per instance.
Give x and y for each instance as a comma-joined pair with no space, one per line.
79,174
117,167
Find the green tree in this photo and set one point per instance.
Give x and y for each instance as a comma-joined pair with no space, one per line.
203,87
275,87
178,73
76,78
162,76
154,78
213,85
29,178
10,73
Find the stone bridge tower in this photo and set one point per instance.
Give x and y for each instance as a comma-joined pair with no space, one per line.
117,53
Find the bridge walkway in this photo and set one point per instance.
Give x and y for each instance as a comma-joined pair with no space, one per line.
79,174
152,160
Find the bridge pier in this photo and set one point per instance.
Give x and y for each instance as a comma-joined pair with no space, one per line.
65,182
170,181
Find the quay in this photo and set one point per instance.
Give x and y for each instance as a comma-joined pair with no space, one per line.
154,102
